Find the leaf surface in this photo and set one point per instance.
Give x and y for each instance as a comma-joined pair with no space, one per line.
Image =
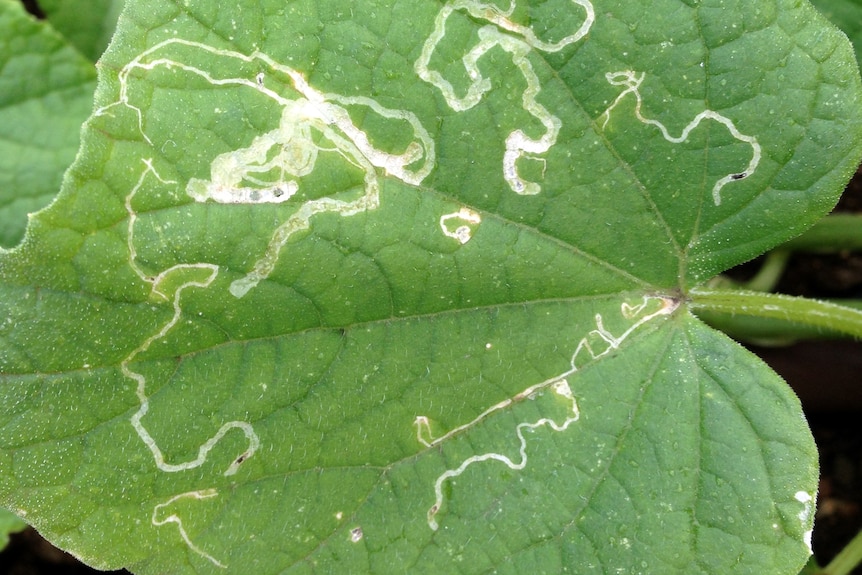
9,523
88,26
46,92
400,287
847,15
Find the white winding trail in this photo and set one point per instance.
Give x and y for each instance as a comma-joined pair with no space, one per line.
519,41
631,81
175,519
587,351
208,273
235,175
270,169
266,171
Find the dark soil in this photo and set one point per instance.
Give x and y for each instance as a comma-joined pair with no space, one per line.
839,505
29,554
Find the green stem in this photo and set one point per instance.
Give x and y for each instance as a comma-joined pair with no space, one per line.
799,310
847,559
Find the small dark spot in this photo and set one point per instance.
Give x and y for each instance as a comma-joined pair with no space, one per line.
32,6
241,458
277,192
739,176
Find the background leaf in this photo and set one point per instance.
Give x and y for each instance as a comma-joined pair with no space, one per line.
46,92
847,15
88,26
9,523
304,305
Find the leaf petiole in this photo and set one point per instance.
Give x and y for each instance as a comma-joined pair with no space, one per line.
814,313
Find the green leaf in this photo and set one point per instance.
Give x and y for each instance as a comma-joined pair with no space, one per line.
401,286
847,15
86,25
46,92
9,523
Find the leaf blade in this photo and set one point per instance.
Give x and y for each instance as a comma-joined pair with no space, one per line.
272,314
47,94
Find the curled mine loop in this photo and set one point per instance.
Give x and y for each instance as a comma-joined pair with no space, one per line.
519,41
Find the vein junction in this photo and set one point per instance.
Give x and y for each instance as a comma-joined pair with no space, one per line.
271,168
